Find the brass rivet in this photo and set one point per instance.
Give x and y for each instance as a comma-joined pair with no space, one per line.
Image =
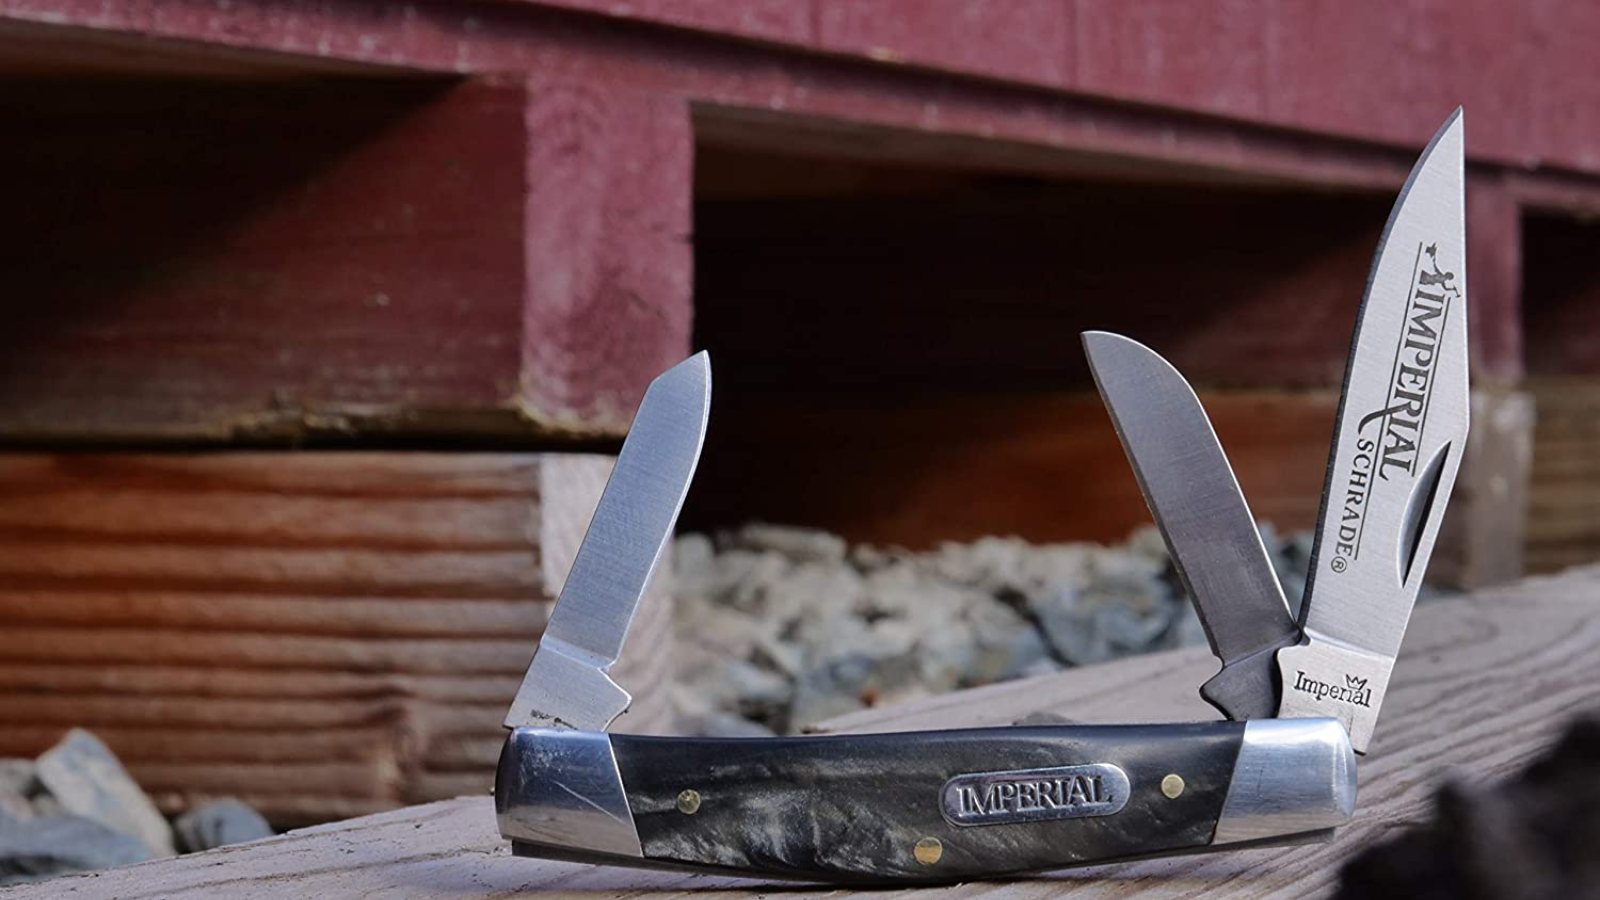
928,851
689,802
1172,786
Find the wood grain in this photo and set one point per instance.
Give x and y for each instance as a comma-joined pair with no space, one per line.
279,261
327,633
1563,523
1484,534
1483,684
1302,67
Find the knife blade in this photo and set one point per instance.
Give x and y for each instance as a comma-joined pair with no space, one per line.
1204,519
1398,443
568,683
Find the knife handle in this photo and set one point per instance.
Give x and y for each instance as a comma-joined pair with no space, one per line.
922,806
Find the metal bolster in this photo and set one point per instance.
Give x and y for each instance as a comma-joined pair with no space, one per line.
1292,776
561,788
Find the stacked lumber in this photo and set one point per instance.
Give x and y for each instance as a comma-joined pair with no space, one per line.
320,634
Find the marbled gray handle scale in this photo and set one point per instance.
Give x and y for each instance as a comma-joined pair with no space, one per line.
931,806
923,806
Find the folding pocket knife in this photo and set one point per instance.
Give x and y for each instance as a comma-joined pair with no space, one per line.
1301,695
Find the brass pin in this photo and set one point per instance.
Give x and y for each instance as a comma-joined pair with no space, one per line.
1172,786
689,802
928,851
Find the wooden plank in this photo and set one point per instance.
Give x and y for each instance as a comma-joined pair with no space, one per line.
1483,654
775,20
1022,40
718,74
276,261
1352,70
1146,50
1563,523
329,633
1495,267
1483,537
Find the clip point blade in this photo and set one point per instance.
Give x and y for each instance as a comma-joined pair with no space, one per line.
1404,411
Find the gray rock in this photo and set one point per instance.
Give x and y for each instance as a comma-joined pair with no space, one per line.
55,845
218,824
89,781
47,806
760,694
17,777
797,544
15,808
17,785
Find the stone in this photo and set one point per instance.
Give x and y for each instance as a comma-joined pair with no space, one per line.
47,806
797,544
89,781
218,824
17,785
43,847
17,777
15,807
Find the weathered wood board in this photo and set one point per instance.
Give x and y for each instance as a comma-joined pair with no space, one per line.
1563,518
210,261
321,634
1483,684
1334,70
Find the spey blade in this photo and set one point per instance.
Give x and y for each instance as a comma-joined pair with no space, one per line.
568,684
1398,443
1196,502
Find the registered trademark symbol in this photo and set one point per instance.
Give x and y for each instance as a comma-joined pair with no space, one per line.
1339,564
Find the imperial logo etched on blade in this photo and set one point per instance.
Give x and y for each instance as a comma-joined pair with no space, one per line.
1033,795
1391,450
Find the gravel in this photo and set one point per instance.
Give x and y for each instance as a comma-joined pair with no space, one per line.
780,628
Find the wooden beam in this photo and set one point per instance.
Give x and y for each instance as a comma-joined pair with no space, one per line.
283,261
1357,72
1484,534
327,633
1563,519
1459,702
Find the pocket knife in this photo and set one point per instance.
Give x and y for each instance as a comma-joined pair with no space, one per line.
1301,694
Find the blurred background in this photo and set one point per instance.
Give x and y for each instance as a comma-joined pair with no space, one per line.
320,323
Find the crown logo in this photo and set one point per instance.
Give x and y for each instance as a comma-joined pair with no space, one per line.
1354,683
